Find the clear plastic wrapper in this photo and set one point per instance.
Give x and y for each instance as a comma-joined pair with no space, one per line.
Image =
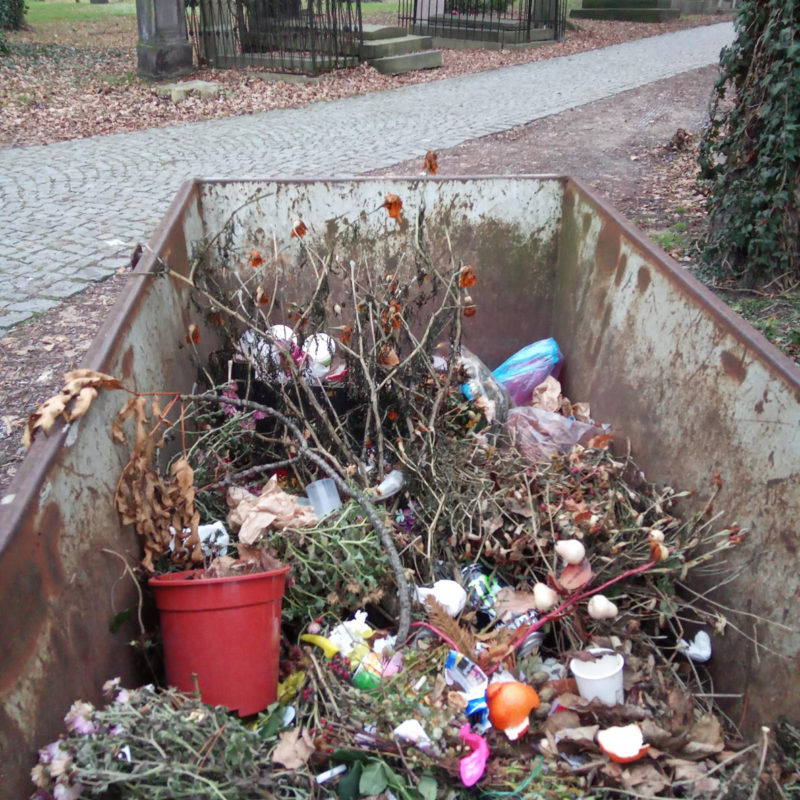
540,434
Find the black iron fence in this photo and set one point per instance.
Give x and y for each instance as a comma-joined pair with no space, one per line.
296,36
501,22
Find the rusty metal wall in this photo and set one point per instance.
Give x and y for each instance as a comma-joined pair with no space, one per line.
698,392
508,234
59,591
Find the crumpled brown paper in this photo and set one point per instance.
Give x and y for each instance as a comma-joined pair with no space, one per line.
253,514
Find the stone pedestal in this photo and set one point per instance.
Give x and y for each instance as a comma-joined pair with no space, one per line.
164,50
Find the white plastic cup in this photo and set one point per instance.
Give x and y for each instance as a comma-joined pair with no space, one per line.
324,497
600,679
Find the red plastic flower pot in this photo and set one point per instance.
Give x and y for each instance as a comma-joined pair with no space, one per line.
226,631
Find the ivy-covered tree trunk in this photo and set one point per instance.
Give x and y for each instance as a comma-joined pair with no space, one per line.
12,18
750,154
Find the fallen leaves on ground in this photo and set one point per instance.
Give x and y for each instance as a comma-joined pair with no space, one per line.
65,81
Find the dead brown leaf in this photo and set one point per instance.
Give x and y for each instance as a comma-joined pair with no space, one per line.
467,277
394,206
76,379
491,526
573,700
707,785
645,778
655,734
388,357
564,686
705,738
431,164
560,721
82,403
582,736
689,771
80,388
682,707
575,576
294,749
511,602
600,442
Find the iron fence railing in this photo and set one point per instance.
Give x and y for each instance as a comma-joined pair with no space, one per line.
295,36
503,22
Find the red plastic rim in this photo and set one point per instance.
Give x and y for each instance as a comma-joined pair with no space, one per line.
191,577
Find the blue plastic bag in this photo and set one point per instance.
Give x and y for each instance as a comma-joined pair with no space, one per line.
527,368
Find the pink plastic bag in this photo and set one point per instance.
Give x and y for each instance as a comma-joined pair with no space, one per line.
540,434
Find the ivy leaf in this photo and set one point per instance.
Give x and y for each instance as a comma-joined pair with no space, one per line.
349,783
428,787
274,721
120,619
373,779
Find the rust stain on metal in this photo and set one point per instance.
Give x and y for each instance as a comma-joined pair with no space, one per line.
569,199
608,247
49,534
127,364
733,366
622,266
25,612
789,540
643,279
31,574
604,322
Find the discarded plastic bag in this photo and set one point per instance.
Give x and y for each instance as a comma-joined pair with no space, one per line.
539,434
527,368
482,387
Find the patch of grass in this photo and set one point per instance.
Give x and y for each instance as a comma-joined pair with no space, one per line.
46,13
777,317
124,79
672,239
379,13
56,54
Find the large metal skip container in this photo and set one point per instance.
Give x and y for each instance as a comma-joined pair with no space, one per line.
696,391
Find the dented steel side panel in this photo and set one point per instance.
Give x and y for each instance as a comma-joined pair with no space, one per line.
702,397
62,578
